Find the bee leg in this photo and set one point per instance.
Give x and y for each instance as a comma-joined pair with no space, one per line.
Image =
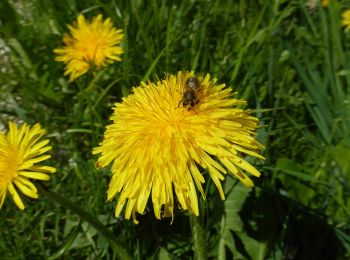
190,107
178,105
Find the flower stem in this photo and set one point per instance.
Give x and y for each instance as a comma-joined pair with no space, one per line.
199,237
114,242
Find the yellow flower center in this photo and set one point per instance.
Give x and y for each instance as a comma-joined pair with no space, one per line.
9,165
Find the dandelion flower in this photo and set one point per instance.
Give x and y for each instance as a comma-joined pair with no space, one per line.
346,20
157,146
20,151
90,44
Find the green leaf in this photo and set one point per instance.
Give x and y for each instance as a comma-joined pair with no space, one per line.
163,254
287,164
233,235
342,154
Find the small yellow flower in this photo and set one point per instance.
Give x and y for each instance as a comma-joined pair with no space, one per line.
91,44
156,145
325,3
20,151
346,20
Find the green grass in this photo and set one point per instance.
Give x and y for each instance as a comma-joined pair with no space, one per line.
289,61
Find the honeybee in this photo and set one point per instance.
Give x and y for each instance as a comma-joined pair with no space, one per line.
190,95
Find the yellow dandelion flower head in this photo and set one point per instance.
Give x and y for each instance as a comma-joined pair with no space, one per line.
94,43
166,134
20,151
346,20
325,3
